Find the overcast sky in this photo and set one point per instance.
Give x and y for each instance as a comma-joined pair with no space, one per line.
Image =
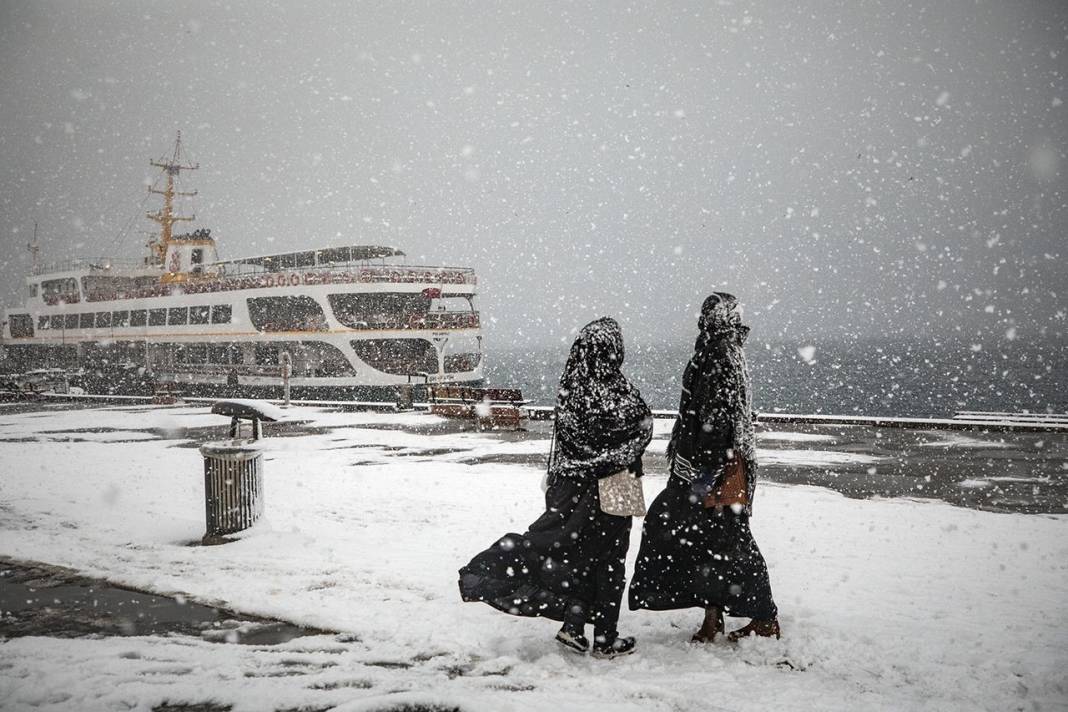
845,168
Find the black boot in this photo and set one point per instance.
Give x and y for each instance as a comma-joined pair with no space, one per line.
572,638
616,647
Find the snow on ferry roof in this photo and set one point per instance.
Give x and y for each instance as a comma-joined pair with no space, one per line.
329,255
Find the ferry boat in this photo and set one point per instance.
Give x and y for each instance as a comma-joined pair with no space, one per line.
348,322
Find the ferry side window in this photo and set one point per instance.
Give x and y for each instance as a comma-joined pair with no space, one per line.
120,318
266,354
21,326
221,313
197,257
198,315
157,317
33,289
103,320
55,321
42,322
138,317
178,315
70,321
86,320
219,353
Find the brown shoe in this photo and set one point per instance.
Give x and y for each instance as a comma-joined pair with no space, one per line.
764,629
710,628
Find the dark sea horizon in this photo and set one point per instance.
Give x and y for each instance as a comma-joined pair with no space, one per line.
878,377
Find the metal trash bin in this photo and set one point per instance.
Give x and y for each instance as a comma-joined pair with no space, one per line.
233,471
233,486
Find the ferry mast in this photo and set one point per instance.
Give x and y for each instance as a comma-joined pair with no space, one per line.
165,216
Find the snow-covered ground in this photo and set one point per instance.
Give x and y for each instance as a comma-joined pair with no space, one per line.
885,604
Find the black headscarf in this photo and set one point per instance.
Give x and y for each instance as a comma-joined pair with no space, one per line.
602,423
715,410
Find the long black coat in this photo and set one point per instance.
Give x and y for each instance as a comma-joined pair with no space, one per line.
691,556
573,555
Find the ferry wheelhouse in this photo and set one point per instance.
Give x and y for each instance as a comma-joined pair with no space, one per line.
352,321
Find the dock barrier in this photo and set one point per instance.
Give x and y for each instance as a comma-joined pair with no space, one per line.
962,420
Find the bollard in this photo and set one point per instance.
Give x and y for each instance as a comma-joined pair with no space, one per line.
405,396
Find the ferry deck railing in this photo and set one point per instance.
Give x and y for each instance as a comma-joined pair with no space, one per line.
295,277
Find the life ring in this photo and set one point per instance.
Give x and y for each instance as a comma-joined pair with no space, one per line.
294,280
363,276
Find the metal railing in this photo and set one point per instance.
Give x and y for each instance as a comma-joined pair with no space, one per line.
370,273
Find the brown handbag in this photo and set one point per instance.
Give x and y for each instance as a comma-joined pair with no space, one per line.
734,486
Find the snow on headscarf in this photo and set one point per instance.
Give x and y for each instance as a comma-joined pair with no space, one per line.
602,423
720,320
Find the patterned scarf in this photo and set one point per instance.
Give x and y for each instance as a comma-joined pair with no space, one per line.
602,423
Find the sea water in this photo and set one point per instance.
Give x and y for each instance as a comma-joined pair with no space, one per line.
882,377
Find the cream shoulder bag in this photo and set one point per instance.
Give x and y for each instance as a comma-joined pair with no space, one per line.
621,494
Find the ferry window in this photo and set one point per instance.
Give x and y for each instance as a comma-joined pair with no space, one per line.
157,317
266,354
461,353
191,353
325,360
101,287
33,289
137,317
225,354
55,321
21,326
86,321
120,318
42,322
305,259
59,287
286,314
197,257
221,313
178,315
398,356
71,321
103,320
198,315
379,310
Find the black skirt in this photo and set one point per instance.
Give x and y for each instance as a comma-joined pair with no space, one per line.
570,562
692,557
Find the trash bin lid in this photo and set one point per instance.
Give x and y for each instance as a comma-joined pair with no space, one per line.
222,448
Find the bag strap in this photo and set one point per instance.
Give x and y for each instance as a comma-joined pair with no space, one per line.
552,453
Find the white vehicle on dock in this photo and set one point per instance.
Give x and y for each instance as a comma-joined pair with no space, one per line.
355,320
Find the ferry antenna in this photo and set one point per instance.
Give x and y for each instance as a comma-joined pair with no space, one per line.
165,216
35,250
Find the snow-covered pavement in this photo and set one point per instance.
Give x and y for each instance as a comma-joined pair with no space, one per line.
886,604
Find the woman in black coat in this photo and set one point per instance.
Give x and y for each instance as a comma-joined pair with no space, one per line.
694,553
570,563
